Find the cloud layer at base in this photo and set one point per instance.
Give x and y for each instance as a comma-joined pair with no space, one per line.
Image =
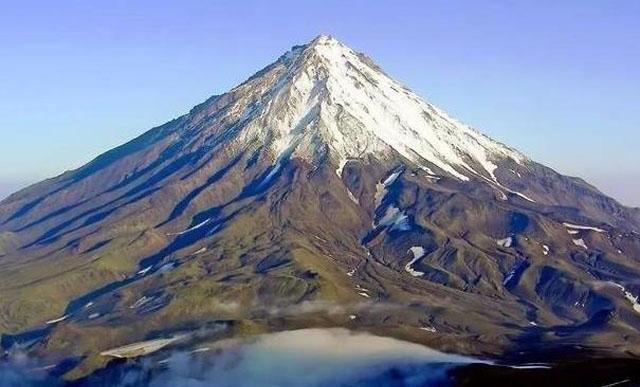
308,357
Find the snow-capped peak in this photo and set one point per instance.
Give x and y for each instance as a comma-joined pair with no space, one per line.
324,95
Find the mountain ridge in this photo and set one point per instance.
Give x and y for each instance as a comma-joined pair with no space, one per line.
289,56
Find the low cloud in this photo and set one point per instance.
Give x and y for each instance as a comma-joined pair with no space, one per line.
19,370
308,357
329,308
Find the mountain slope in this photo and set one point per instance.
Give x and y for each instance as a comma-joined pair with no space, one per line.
318,192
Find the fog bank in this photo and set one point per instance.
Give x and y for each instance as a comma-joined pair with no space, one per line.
308,357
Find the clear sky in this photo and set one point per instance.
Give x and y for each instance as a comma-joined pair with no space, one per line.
557,79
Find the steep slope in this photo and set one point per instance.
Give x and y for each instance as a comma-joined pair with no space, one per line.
319,192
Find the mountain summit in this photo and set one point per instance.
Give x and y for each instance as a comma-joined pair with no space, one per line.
324,98
319,192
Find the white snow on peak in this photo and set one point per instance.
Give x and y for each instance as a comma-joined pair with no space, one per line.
392,115
324,96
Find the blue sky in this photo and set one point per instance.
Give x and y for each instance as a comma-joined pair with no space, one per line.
559,80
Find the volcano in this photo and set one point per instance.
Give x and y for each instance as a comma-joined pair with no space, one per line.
318,193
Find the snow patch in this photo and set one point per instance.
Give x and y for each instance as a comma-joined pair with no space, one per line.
361,288
633,299
392,178
396,219
496,184
515,270
580,242
529,366
272,173
509,277
545,249
352,198
515,173
362,291
57,320
418,252
428,170
341,165
381,187
506,242
628,295
140,302
525,197
144,271
579,227
197,226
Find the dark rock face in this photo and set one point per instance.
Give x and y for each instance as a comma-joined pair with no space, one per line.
215,216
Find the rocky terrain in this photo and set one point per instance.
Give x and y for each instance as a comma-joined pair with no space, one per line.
318,193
